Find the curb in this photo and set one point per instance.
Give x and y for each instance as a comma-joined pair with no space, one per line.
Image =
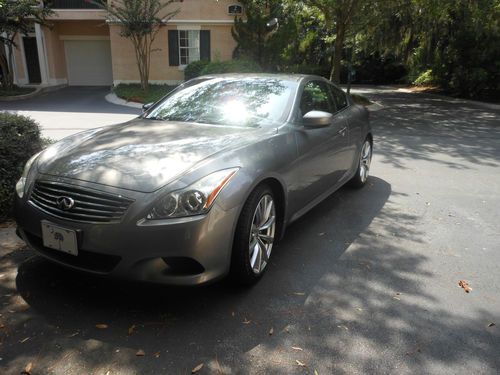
113,99
456,100
38,91
374,107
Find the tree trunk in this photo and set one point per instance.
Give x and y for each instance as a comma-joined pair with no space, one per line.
337,53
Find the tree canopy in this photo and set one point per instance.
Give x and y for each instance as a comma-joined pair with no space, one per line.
454,44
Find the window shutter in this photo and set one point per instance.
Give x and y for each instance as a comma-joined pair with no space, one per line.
173,47
205,45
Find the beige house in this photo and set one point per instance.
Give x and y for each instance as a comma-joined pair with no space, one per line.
83,49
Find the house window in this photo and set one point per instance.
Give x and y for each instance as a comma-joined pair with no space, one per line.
235,9
186,46
189,46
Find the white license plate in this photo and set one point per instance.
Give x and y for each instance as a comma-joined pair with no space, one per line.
59,238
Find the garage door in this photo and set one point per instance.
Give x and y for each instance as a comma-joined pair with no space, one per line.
88,62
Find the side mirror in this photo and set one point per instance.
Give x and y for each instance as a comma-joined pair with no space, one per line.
317,119
146,106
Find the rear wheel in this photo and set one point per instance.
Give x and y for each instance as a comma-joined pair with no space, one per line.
363,171
254,237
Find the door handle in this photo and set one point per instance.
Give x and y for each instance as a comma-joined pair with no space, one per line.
342,131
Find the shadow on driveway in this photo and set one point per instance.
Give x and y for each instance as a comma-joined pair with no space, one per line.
84,99
419,126
192,325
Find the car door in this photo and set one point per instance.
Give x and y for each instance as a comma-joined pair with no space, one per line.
348,155
319,160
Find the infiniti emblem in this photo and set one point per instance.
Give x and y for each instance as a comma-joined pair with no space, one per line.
65,203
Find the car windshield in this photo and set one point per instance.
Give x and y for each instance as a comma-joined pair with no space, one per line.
243,102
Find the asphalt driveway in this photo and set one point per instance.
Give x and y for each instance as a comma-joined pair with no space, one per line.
366,283
70,110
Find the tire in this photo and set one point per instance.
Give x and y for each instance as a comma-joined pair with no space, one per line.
254,237
363,171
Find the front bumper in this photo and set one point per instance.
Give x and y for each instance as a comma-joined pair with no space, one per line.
187,251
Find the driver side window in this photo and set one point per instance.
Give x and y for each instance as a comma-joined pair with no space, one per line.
316,97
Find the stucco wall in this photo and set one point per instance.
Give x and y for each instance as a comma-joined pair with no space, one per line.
205,14
203,10
19,59
55,54
124,62
81,28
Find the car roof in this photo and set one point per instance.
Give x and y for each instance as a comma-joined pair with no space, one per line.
280,76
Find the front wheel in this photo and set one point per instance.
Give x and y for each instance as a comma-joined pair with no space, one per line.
363,171
254,237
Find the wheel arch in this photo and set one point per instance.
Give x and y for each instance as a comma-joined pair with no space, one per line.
280,197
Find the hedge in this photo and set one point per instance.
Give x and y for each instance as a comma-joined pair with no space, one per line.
19,140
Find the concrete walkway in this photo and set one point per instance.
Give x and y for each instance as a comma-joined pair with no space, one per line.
70,110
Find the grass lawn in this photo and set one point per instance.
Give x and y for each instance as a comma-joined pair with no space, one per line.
16,91
134,93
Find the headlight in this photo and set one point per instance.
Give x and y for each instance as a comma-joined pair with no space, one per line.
195,199
21,184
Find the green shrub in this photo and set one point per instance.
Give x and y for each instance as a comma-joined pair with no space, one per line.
194,69
19,140
425,78
133,92
317,70
232,66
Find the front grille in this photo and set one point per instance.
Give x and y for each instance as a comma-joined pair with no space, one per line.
90,205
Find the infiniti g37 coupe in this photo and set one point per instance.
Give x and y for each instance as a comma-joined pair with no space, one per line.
199,186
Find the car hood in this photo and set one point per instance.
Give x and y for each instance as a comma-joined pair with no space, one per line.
141,155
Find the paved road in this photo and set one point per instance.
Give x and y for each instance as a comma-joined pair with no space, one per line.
71,110
366,283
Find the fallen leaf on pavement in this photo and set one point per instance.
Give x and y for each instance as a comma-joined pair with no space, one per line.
271,331
301,364
2,325
140,353
316,372
197,368
24,340
491,325
297,348
299,293
101,326
321,234
131,329
156,355
232,314
27,369
417,350
246,321
465,286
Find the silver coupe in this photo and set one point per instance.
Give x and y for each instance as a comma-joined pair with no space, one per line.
201,185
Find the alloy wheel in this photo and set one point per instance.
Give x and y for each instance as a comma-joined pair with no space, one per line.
262,234
365,161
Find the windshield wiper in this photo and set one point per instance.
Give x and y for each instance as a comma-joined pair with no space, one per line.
154,118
